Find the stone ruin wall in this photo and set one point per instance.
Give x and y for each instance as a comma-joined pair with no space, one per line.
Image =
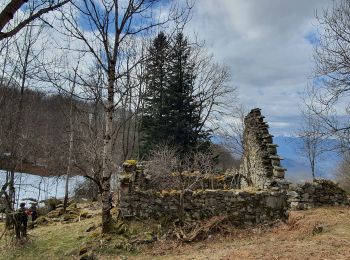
261,165
139,199
261,168
241,207
317,193
269,197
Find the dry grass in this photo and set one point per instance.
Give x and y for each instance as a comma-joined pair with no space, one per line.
322,233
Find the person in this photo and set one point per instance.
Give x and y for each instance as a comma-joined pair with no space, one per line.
34,212
21,221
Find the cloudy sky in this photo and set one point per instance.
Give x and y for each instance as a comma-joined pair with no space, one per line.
268,46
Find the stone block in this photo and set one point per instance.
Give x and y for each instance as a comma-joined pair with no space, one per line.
275,202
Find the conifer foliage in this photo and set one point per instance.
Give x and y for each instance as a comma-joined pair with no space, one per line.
154,123
171,112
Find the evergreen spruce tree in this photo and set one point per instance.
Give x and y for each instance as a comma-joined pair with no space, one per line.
154,123
172,110
183,114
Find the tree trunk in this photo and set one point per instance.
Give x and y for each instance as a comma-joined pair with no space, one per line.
41,180
17,131
12,189
69,168
19,189
181,210
107,155
313,169
70,154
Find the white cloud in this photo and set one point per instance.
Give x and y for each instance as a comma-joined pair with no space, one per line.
265,44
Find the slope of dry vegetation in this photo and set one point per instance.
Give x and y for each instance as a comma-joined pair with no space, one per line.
322,233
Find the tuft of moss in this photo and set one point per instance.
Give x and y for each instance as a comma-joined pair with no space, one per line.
130,162
42,220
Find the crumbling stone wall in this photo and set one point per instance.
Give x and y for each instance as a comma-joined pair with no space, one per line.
138,199
136,178
317,193
261,165
194,181
269,198
242,207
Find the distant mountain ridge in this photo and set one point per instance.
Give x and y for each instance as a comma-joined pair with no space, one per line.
297,165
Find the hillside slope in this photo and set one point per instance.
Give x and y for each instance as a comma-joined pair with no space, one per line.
322,233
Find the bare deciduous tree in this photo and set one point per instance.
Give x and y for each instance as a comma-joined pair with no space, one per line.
71,139
112,25
17,73
167,171
313,141
230,130
163,162
330,91
37,8
343,172
212,88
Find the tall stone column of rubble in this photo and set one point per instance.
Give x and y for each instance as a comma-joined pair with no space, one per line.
261,165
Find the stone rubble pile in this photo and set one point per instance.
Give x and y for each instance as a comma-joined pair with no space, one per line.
314,194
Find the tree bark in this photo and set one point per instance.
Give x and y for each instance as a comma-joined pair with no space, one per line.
9,11
12,189
107,153
70,154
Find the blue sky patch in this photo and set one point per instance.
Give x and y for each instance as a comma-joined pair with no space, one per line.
312,38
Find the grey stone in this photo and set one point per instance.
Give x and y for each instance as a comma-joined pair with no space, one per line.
292,194
274,202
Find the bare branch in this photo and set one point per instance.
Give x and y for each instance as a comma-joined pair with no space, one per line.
9,11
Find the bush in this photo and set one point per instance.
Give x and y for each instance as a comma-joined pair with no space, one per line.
52,203
86,190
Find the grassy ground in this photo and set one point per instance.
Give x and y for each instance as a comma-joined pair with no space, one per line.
54,241
322,233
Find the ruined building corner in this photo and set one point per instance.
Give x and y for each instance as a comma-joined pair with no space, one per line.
261,165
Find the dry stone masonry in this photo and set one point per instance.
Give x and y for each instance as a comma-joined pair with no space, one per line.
265,196
242,207
261,166
317,193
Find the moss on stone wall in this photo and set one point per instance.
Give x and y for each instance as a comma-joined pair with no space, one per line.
245,207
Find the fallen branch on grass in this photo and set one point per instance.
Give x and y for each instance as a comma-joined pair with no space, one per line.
200,230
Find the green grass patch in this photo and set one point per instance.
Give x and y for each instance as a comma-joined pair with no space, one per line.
56,241
64,241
